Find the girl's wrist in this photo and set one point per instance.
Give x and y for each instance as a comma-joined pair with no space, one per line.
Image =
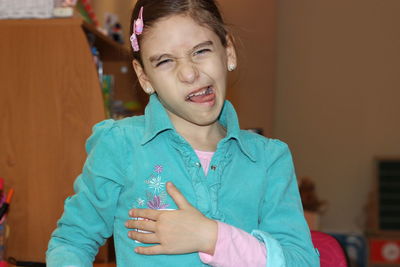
209,235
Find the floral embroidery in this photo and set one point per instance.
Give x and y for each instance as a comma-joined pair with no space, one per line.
163,196
156,195
140,202
156,203
155,183
158,169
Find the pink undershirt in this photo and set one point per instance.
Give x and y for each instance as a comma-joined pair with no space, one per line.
234,247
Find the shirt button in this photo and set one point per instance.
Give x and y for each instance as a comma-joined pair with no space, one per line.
213,167
197,164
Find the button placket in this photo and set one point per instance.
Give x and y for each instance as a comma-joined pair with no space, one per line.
201,190
196,174
220,163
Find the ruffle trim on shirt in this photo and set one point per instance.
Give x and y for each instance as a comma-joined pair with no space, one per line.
206,190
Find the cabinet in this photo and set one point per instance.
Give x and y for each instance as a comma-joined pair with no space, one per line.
50,97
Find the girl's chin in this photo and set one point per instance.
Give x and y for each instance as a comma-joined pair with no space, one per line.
208,118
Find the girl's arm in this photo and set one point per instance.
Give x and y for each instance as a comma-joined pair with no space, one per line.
88,215
235,248
283,237
283,228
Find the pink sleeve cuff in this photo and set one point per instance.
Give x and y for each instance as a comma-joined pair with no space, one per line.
235,247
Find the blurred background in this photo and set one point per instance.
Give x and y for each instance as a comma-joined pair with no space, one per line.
322,76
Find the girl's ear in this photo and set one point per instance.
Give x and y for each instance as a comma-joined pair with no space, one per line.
143,80
231,53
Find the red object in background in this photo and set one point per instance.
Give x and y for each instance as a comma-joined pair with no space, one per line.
331,254
384,251
89,10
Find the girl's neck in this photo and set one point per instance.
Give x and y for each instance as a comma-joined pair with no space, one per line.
203,138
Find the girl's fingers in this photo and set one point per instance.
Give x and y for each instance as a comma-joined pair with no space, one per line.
142,224
145,213
153,250
143,237
177,196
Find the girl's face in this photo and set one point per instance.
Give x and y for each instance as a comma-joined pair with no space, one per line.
186,65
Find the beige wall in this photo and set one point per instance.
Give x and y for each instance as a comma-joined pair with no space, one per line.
337,100
254,24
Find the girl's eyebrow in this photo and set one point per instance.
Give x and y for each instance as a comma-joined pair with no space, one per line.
156,58
206,43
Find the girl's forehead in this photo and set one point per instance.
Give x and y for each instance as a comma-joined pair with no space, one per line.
175,32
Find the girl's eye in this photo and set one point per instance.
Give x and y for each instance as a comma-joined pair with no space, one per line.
163,62
202,51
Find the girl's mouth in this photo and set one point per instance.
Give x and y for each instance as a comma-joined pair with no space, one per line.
202,95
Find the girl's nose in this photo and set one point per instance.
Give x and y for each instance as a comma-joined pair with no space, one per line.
188,73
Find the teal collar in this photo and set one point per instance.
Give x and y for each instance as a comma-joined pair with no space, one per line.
157,121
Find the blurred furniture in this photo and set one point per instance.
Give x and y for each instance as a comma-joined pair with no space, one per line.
50,97
355,246
384,201
330,251
384,252
383,224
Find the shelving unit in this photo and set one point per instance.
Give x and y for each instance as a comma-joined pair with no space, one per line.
50,97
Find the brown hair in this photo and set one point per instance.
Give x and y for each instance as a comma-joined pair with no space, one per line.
204,12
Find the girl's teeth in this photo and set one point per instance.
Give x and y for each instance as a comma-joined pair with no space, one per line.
206,91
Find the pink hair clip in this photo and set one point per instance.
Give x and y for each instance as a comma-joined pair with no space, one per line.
137,30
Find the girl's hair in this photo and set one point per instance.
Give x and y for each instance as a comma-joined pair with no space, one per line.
204,12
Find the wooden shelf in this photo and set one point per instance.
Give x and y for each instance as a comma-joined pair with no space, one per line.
50,99
117,61
112,51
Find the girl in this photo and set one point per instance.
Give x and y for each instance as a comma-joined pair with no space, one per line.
239,204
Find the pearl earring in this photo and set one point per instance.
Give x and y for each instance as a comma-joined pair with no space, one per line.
149,90
231,67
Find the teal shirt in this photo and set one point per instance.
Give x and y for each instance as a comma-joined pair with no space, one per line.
251,185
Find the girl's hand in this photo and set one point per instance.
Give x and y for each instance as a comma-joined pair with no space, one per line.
179,231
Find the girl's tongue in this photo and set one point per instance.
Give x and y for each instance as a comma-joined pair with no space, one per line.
202,96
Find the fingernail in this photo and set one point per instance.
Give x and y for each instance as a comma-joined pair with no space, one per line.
126,224
131,213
